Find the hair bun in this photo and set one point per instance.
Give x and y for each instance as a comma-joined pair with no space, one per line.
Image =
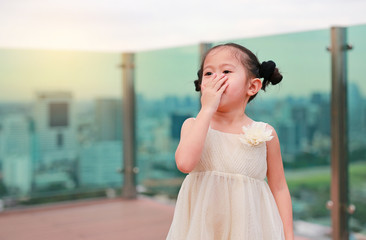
197,85
269,73
266,69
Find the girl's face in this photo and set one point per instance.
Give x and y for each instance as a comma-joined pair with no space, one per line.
223,60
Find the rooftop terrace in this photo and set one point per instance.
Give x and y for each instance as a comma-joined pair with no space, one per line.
96,219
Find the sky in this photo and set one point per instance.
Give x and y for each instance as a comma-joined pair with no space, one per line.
119,25
76,45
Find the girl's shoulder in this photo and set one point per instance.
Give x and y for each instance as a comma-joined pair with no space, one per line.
268,128
267,125
260,127
191,119
188,121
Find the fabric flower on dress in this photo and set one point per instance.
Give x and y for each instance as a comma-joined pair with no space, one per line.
255,134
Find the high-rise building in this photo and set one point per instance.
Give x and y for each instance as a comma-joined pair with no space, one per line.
100,159
177,121
15,148
99,163
108,119
55,125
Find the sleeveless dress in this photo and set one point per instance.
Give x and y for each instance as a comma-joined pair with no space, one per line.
226,197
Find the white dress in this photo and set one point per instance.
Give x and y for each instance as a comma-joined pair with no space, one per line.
226,196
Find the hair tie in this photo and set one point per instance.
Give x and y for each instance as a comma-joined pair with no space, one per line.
266,69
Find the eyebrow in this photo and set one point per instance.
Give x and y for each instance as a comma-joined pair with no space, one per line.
221,65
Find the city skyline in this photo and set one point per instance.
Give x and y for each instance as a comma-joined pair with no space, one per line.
95,161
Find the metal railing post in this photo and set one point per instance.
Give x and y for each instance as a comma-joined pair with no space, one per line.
339,151
129,149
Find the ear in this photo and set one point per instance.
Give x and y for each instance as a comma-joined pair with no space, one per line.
255,85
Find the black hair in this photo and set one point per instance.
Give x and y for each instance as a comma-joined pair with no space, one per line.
266,70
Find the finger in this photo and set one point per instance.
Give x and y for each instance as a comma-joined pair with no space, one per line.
223,87
220,82
203,80
211,80
217,78
220,78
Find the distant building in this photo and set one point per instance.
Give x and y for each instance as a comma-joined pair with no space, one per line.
99,163
100,159
53,181
55,125
176,126
300,118
108,119
55,136
15,148
286,134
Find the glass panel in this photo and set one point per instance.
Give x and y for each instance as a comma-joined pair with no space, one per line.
299,110
60,122
60,125
166,96
356,91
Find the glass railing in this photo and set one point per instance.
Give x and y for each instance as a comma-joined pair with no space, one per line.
165,98
60,125
356,93
299,110
61,113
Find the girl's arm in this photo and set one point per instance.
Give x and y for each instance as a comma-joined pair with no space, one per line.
193,135
193,132
278,185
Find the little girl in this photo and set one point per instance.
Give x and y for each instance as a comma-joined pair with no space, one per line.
228,156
